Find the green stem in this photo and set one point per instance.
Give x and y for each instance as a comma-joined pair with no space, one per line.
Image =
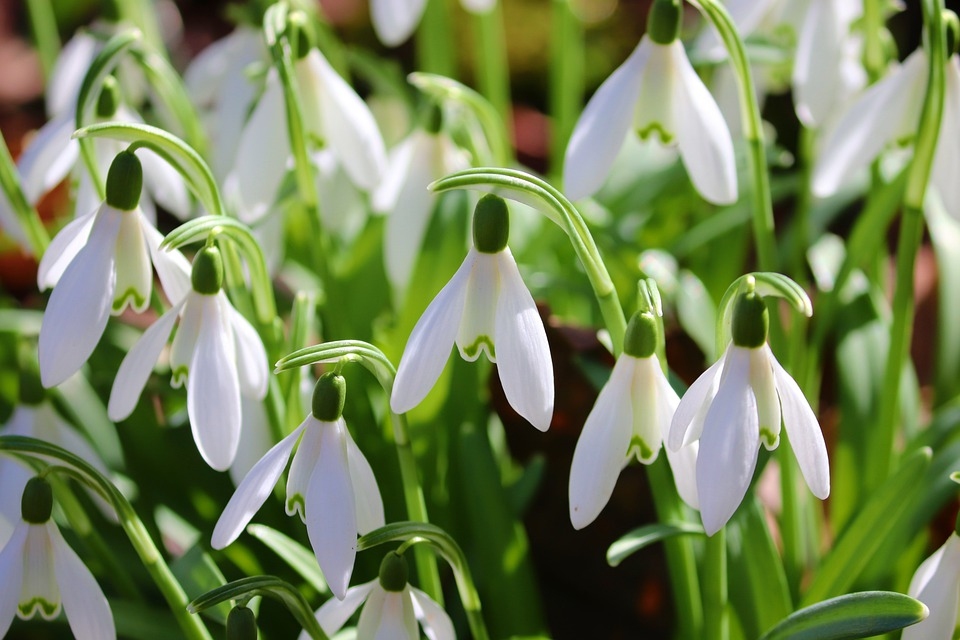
566,81
791,524
911,234
43,23
27,216
150,556
436,52
716,618
874,58
763,230
493,68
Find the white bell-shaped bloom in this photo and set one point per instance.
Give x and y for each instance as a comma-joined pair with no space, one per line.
100,264
936,584
422,158
656,91
395,20
68,72
333,114
216,352
331,486
42,574
630,418
484,308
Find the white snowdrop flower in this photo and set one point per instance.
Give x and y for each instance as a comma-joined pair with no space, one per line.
737,405
936,584
101,263
485,308
391,608
42,574
330,484
216,352
630,418
395,20
657,92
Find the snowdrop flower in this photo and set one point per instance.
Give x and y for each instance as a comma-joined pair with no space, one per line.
101,263
392,608
41,573
424,156
333,114
657,92
889,112
216,352
484,308
937,585
330,484
736,405
395,20
630,419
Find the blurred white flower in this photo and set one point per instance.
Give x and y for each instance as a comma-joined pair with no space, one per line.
395,20
936,584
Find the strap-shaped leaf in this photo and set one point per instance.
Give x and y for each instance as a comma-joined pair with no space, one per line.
855,615
300,558
356,350
647,535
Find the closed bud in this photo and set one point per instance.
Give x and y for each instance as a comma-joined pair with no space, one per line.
109,100
241,624
491,224
124,181
640,339
36,504
750,321
393,572
207,274
329,396
663,21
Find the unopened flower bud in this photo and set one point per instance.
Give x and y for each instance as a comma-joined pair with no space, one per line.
241,624
393,572
124,182
491,224
109,100
36,504
663,21
207,274
640,339
750,321
329,396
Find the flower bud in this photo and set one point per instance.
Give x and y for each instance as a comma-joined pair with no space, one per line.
663,21
393,572
432,118
750,321
329,396
640,339
491,224
109,100
124,181
36,504
207,274
241,624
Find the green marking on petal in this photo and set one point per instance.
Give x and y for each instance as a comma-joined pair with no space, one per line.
641,449
662,134
131,296
30,608
473,350
769,438
179,376
297,503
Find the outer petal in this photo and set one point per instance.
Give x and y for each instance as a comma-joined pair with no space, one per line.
304,462
213,391
646,430
165,185
683,463
84,604
428,347
331,510
434,620
523,355
134,273
346,123
941,593
251,356
80,305
804,432
63,249
138,364
369,504
764,387
255,439
478,325
11,568
816,69
173,269
729,444
41,592
185,341
603,126
388,616
884,111
334,613
253,491
68,73
395,20
947,157
601,451
702,133
49,157
687,423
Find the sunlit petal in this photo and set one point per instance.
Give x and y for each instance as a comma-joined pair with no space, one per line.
304,460
941,593
68,72
185,340
172,267
395,20
251,356
434,620
369,505
334,613
11,568
947,156
478,322
132,263
165,184
765,391
49,157
63,249
41,593
84,604
687,423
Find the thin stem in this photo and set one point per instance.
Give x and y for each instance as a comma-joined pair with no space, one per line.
763,228
566,81
874,58
435,50
43,23
493,68
716,618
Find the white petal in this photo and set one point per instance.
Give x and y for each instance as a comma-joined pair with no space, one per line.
368,626
63,249
941,594
255,438
253,491
138,364
185,340
703,136
603,126
347,124
729,444
927,570
84,604
251,356
213,391
331,512
48,158
428,348
165,184
395,20
886,110
334,613
478,6
764,387
434,620
173,269
388,616
804,433
478,326
80,304
369,506
41,593
523,355
14,476
132,263
816,69
655,110
687,422
11,568
646,430
947,156
601,451
683,463
304,461
68,73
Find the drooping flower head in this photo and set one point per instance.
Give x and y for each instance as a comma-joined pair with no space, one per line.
936,584
216,352
739,404
330,484
101,263
485,308
42,574
630,419
395,20
657,92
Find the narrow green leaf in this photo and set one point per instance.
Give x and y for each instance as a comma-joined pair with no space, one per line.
301,559
855,615
645,536
364,353
945,234
197,573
